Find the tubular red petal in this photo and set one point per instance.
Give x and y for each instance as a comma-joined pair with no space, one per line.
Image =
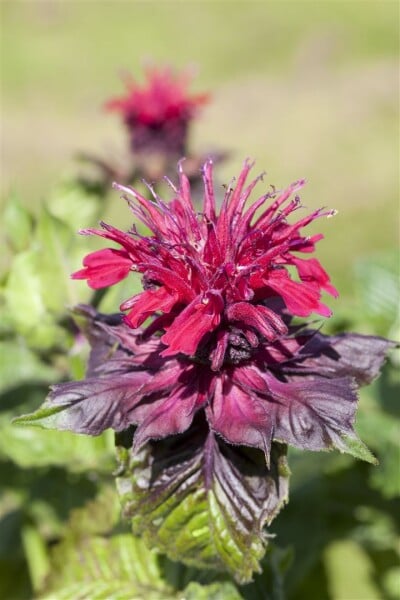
145,304
261,318
200,317
104,268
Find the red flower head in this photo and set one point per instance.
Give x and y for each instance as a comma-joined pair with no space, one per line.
157,113
214,281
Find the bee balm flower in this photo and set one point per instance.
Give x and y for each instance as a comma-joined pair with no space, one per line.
214,280
158,112
230,370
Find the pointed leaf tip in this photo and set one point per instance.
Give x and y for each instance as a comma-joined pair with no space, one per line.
357,448
44,417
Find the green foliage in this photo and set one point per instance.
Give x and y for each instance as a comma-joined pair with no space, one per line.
17,224
72,203
43,475
31,448
377,289
19,364
379,425
37,287
374,308
214,591
269,584
358,449
57,542
377,285
47,417
201,502
118,567
329,514
343,511
115,564
34,505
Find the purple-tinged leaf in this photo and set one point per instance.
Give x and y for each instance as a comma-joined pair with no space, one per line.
317,414
90,406
348,354
111,340
240,418
202,501
171,415
127,384
299,389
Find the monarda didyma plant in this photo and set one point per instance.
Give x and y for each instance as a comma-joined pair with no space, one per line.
210,372
157,113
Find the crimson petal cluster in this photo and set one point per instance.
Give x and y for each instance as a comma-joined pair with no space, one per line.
212,278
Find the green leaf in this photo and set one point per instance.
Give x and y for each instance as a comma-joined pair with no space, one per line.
328,505
74,204
357,582
35,551
17,223
28,447
201,501
18,364
355,447
25,298
378,286
23,293
39,288
6,320
269,584
391,582
381,429
101,588
214,591
39,279
378,423
93,561
386,478
56,245
45,417
86,565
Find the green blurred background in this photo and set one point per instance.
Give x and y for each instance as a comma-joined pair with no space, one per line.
308,89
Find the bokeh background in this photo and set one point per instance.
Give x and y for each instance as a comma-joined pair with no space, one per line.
307,89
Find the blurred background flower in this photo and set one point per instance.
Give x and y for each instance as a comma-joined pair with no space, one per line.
157,113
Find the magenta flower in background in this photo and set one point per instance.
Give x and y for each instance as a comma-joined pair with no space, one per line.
157,113
213,280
